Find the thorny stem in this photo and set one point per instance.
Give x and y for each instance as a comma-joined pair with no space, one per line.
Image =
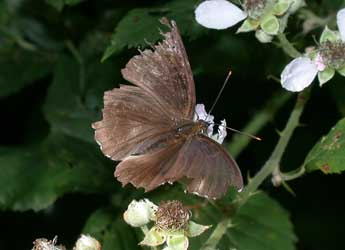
288,48
273,162
216,235
239,142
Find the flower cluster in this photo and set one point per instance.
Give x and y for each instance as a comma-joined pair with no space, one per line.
172,224
323,61
266,17
85,242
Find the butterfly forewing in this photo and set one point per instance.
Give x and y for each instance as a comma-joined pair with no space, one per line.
166,75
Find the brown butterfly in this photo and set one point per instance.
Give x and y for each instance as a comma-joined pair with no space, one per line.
150,127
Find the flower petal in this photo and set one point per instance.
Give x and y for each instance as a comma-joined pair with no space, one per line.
298,74
201,114
221,132
218,14
341,23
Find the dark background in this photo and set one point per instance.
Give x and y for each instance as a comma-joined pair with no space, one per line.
317,210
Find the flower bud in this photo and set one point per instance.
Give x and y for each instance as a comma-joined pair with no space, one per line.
139,213
86,242
263,37
270,24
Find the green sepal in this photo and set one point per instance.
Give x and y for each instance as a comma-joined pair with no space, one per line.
154,237
248,25
177,241
325,75
195,229
329,35
341,71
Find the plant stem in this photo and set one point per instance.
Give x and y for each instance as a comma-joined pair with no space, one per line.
288,48
261,118
272,164
216,235
274,160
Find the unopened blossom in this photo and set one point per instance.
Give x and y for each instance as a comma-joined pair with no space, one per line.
139,213
86,242
323,62
201,114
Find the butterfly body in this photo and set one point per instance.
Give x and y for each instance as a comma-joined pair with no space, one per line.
151,127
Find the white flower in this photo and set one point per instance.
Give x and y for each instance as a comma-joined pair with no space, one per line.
221,132
299,74
218,14
86,242
139,213
341,23
201,114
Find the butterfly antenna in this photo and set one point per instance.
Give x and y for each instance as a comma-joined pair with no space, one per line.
220,92
244,133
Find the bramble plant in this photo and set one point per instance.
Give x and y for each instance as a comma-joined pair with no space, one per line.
59,57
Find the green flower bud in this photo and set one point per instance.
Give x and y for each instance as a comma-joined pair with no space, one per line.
270,24
295,5
263,37
281,7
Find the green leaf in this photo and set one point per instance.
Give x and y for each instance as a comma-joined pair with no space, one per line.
329,35
328,155
34,177
19,68
142,25
325,75
261,224
111,231
75,98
